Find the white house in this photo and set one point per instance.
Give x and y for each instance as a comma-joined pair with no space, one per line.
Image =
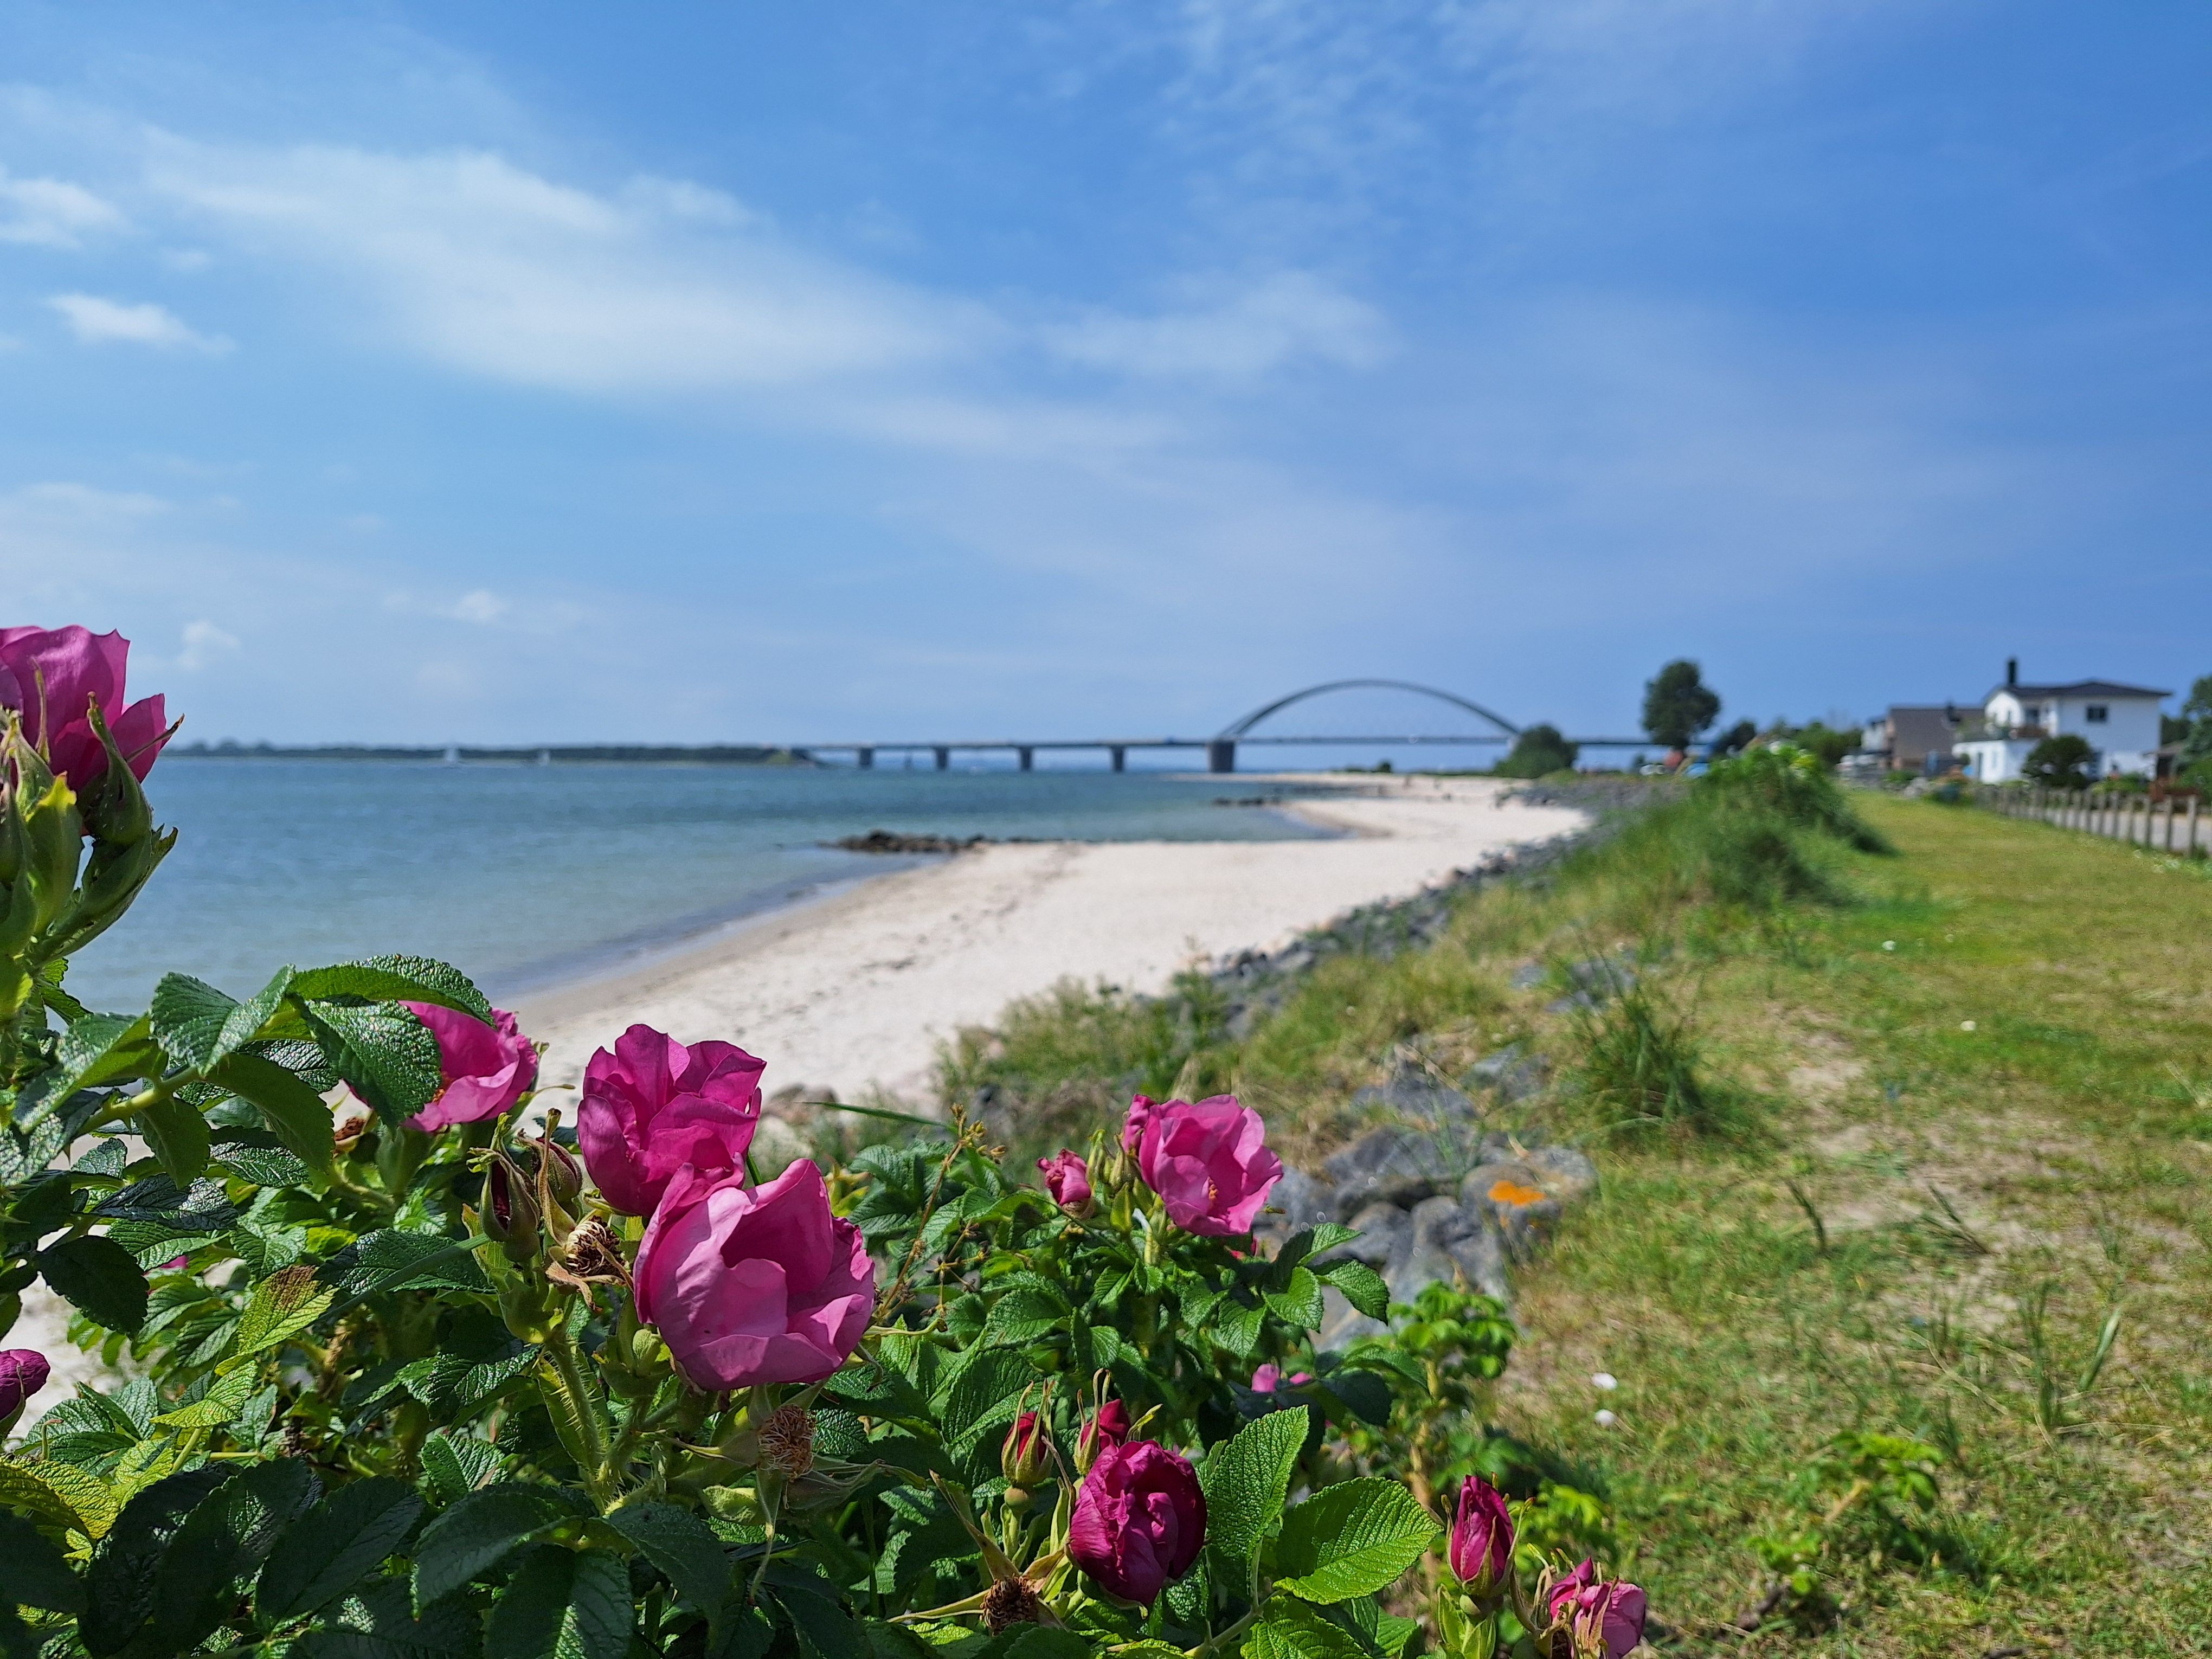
2119,722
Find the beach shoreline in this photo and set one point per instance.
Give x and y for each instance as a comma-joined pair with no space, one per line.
853,991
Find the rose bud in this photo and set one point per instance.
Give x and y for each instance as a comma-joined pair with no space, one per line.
1068,1178
1024,1458
1481,1547
1109,1427
23,1372
1606,1617
483,1070
509,1213
1140,1521
754,1286
653,1106
1209,1162
53,677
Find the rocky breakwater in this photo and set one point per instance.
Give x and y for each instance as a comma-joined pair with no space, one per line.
1437,1195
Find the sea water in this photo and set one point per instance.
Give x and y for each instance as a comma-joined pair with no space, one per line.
525,876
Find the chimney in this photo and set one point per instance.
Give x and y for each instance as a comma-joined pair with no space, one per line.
2012,671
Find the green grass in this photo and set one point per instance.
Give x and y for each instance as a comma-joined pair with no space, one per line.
1986,1200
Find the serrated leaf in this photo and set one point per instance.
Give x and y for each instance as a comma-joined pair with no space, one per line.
226,1536
332,1547
561,1604
1299,1302
394,979
477,1534
178,1134
825,1630
455,1465
1245,1480
1362,1285
685,1549
96,1048
387,1055
60,1493
1352,1538
99,1278
1236,1328
285,1304
1291,1630
1022,1316
298,1115
262,1166
394,1259
33,1572
187,1018
378,1622
1310,1242
121,1586
982,1393
246,1023
216,1408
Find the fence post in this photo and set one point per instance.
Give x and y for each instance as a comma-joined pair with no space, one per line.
2170,805
2192,825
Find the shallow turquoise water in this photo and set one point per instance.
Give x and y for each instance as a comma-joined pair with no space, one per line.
525,875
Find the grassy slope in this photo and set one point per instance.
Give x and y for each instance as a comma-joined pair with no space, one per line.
2068,1130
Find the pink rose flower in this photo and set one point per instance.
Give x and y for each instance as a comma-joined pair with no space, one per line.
1140,1521
1209,1162
1481,1547
1608,1615
484,1069
1268,1379
54,677
749,1287
654,1105
1068,1178
1108,1427
23,1372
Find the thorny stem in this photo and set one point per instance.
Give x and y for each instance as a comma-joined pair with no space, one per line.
563,1352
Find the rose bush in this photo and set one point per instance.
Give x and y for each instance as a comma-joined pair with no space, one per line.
438,1374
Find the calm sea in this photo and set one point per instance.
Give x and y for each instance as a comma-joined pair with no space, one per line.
525,876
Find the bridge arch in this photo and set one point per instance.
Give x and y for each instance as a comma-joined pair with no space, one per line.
1238,728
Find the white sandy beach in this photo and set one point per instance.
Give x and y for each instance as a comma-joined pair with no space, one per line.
857,991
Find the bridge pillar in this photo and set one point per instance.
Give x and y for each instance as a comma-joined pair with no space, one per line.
1028,757
1120,754
943,757
865,758
1221,755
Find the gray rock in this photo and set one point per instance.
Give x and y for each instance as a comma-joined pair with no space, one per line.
1596,982
1569,1174
1438,1225
1479,1254
1399,1166
1515,1075
1412,1093
1528,977
1298,1200
1522,1222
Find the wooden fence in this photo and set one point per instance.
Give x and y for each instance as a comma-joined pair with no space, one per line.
2169,826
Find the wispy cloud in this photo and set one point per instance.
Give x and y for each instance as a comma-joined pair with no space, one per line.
1242,335
97,321
204,641
52,212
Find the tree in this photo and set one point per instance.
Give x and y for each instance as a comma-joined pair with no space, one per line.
1538,751
1824,740
2196,711
2060,763
1677,704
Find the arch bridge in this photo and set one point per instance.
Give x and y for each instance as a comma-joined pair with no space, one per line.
1221,748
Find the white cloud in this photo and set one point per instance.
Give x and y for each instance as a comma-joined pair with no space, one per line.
1286,317
52,212
99,322
203,642
480,605
487,267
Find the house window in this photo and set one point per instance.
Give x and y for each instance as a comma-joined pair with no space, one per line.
2096,713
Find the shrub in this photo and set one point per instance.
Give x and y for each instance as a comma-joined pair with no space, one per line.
2060,763
1538,752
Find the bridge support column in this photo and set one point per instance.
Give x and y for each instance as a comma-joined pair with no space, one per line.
1028,757
1221,755
1120,756
943,757
865,758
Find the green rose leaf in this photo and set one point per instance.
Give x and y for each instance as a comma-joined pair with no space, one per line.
1352,1540
178,1135
295,1111
1244,1482
97,1048
685,1549
1362,1285
187,1017
387,1055
33,1572
119,1589
1299,1302
477,1534
562,1604
226,1536
328,1551
100,1279
1291,1629
393,979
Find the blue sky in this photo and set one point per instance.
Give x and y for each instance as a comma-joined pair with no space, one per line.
486,372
